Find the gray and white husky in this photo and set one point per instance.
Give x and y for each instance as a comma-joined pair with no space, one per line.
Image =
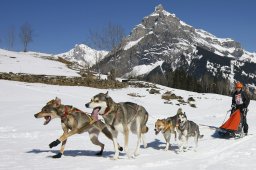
186,129
121,117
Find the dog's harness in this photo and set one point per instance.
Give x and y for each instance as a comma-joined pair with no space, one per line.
116,110
66,113
167,127
136,111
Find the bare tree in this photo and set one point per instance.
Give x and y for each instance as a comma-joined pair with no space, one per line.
26,35
97,43
108,39
99,57
11,37
113,35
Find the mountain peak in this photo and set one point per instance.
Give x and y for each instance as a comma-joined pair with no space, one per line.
163,39
159,8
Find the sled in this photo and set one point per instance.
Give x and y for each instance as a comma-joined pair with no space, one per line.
231,127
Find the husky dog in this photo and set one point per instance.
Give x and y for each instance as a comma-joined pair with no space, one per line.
167,127
186,129
121,117
73,121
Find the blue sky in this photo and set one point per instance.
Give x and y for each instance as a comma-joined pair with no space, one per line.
60,24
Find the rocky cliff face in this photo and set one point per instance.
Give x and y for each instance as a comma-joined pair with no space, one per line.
163,39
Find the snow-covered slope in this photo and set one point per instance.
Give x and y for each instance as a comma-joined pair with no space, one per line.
24,140
32,63
83,55
223,46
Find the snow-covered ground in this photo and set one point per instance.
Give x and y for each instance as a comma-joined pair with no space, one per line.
142,69
32,63
24,140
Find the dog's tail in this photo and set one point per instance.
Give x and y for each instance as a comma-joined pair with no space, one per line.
144,129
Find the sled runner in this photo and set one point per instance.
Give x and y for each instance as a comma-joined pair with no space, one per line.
232,127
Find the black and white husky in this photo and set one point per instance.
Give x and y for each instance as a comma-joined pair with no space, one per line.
186,129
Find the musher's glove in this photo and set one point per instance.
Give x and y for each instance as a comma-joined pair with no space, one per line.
233,107
244,111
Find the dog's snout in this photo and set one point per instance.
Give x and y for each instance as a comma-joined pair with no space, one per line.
154,129
35,115
87,105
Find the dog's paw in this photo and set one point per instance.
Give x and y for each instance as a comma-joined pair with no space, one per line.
54,143
180,150
120,148
166,149
114,158
57,155
136,153
129,156
99,153
185,149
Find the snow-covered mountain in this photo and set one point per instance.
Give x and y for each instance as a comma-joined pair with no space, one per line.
48,64
162,41
83,55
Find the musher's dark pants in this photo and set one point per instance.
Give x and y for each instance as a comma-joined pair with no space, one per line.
243,115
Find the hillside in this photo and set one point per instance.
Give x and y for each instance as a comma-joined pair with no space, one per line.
24,139
36,67
33,63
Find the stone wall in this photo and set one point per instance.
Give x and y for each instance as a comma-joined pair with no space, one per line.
62,80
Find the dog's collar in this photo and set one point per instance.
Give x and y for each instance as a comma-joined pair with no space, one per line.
65,112
106,112
72,109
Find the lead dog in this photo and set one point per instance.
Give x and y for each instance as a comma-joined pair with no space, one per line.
186,129
73,121
121,117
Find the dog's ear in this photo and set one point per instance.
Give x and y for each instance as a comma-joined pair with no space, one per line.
109,101
51,102
106,94
185,115
57,101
